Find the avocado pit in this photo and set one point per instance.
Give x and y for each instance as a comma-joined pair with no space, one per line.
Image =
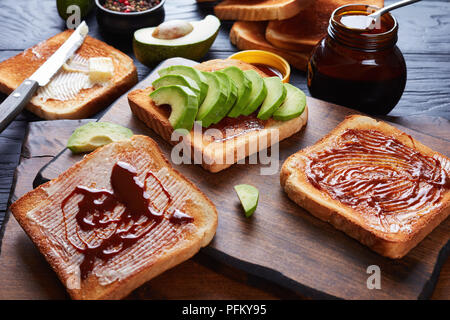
174,29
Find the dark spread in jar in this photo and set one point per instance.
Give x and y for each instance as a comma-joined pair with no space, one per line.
387,182
103,231
268,70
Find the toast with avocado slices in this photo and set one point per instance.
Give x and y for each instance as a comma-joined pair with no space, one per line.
224,140
373,182
71,94
116,219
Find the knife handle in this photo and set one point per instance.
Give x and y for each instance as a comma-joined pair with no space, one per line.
16,101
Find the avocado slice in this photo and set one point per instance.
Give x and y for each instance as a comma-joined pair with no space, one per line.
190,72
93,135
183,102
276,93
210,110
150,50
258,93
231,93
293,105
175,79
244,87
249,196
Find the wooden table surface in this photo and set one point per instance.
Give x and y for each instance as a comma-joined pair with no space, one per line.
424,39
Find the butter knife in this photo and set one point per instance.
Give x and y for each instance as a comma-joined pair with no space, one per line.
20,97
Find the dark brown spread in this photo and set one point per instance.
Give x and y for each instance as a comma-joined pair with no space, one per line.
378,175
268,70
105,234
232,127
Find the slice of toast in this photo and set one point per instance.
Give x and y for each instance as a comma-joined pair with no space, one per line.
372,181
86,102
40,214
303,31
236,138
250,35
259,10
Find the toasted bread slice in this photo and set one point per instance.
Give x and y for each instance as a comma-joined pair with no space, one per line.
259,10
303,31
231,141
249,35
166,245
375,183
84,103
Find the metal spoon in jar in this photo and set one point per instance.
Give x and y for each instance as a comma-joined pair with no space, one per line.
377,14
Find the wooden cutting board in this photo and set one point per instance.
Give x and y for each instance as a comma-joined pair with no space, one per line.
282,242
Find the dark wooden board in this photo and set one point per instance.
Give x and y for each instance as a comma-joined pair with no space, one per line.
282,242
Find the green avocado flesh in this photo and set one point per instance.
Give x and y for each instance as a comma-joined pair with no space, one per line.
244,87
151,50
293,105
211,108
276,93
96,134
249,196
258,93
190,72
231,94
183,102
174,79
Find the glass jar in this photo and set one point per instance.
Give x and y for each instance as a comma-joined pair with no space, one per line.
361,68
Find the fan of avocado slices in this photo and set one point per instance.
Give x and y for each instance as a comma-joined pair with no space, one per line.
208,97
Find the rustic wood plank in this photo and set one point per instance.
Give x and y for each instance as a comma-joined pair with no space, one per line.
283,242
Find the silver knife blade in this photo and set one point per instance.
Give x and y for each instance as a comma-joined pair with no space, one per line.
56,61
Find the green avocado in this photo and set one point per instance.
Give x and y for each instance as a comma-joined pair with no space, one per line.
190,72
210,110
85,7
258,93
175,79
96,134
183,102
150,50
276,93
244,87
231,89
293,105
249,196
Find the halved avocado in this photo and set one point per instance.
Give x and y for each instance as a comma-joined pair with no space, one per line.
231,94
151,50
258,93
190,72
210,110
183,102
175,79
244,87
276,93
93,135
84,5
293,105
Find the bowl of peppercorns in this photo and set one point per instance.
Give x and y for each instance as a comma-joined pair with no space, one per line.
125,16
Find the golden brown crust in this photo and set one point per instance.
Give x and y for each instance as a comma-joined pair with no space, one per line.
259,10
15,70
347,219
202,209
214,154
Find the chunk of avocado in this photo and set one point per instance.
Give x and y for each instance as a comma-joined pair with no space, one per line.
93,135
249,196
231,92
276,93
150,48
190,72
293,105
258,93
244,87
183,102
175,79
210,110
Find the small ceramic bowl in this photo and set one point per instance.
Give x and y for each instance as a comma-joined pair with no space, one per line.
261,57
126,23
